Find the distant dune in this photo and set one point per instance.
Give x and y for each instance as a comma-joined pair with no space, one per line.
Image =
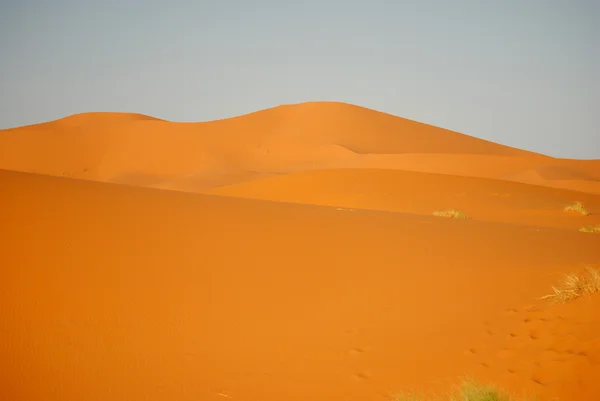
296,253
139,150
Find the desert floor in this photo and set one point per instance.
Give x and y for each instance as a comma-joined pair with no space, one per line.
288,254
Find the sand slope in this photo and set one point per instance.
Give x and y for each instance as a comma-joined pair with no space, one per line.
139,150
112,292
422,193
287,254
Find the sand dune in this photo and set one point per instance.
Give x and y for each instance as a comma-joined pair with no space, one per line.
138,150
559,177
288,254
422,193
123,293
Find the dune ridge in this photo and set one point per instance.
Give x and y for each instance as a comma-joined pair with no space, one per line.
136,149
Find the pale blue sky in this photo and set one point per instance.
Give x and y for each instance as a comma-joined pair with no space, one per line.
525,73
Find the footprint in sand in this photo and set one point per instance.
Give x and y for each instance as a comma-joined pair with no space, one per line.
360,376
534,335
581,353
357,351
537,379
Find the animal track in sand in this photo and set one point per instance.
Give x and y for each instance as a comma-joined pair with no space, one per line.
537,379
358,351
363,375
581,353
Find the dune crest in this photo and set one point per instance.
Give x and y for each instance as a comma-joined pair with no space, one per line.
136,149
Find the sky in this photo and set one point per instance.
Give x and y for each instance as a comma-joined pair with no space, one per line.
524,73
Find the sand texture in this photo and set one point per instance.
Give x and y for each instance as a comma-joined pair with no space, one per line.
288,254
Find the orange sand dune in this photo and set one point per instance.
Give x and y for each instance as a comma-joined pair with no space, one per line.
559,177
143,151
422,193
112,292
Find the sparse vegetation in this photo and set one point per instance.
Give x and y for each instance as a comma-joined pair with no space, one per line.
469,390
576,207
590,229
576,285
451,213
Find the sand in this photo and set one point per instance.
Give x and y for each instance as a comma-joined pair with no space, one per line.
140,150
288,254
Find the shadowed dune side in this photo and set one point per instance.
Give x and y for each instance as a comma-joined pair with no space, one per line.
584,177
568,171
139,150
577,185
588,169
422,193
123,293
335,157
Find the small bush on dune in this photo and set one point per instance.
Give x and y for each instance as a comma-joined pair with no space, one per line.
451,213
576,207
590,229
575,286
469,390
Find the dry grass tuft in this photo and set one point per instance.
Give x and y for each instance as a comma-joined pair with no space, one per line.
590,229
576,207
575,286
469,390
451,213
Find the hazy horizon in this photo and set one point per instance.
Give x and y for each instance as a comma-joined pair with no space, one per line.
520,74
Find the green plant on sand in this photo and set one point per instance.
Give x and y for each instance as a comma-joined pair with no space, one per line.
450,213
576,207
